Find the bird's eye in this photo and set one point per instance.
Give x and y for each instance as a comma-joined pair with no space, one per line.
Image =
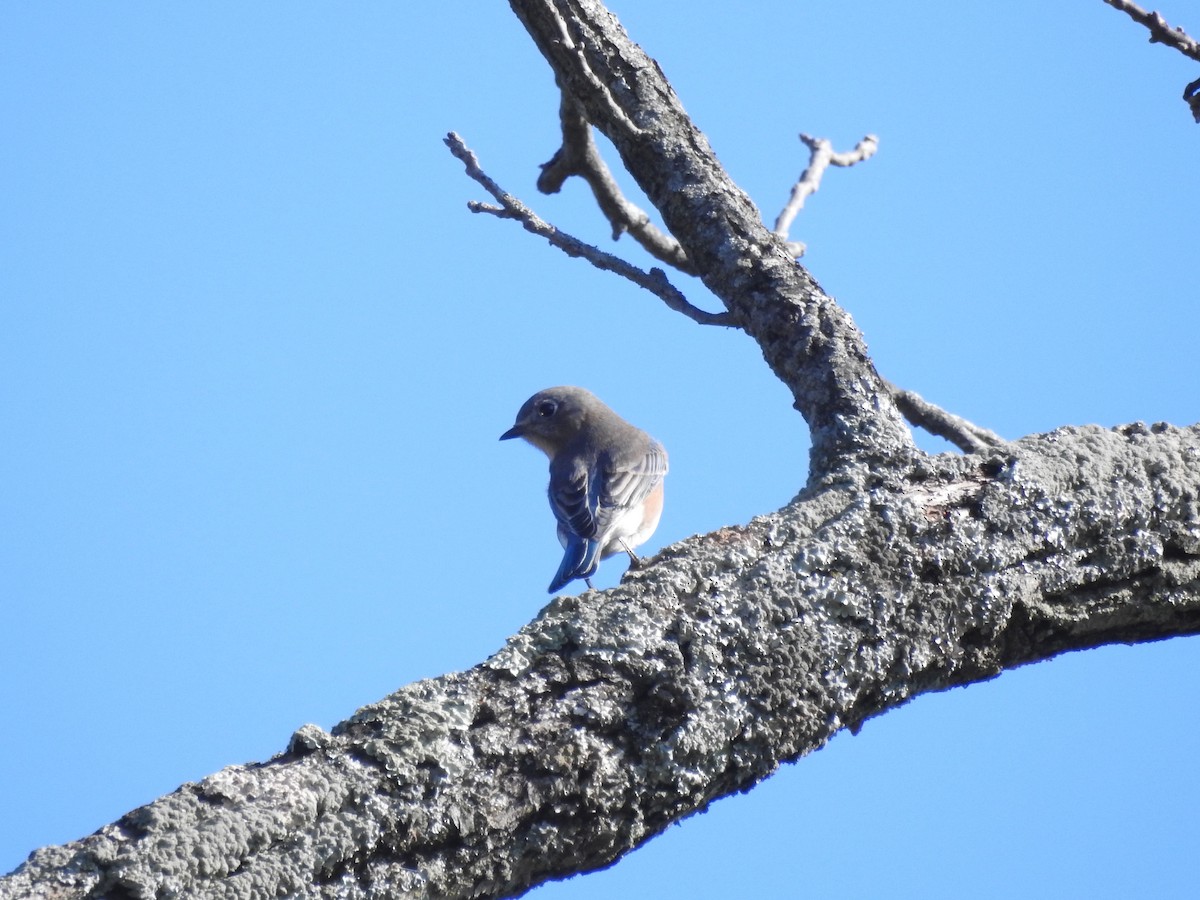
547,408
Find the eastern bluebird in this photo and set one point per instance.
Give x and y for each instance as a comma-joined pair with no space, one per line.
606,477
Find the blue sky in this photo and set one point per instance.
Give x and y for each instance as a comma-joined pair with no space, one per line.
255,355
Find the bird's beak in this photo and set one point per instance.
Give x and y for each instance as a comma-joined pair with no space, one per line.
515,432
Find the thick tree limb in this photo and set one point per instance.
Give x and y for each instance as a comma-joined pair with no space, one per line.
655,281
1162,33
614,714
821,157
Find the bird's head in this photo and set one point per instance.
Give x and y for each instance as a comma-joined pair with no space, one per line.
550,418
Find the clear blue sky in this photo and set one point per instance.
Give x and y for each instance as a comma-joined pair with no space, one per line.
255,355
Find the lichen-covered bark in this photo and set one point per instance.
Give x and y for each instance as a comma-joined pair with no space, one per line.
616,713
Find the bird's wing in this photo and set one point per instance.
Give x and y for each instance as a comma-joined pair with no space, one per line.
573,501
588,499
621,484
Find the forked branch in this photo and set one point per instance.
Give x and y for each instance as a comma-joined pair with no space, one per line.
655,280
821,157
579,155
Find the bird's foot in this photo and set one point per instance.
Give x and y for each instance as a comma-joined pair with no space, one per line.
635,561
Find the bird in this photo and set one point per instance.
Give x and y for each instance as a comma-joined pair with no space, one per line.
606,477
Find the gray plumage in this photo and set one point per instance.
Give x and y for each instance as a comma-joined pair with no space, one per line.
606,477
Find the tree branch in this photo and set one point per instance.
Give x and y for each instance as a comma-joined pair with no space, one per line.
616,713
967,436
1162,33
809,342
821,157
578,155
655,281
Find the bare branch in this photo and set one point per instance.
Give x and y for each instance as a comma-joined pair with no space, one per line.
967,436
1162,33
821,158
655,280
579,155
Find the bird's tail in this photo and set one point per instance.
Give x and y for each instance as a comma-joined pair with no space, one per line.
580,560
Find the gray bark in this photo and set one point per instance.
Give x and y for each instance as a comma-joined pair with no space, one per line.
616,713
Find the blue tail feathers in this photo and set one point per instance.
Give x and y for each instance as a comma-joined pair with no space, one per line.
580,559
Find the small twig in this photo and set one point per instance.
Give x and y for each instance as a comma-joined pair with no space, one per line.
510,207
967,436
1162,33
821,157
579,155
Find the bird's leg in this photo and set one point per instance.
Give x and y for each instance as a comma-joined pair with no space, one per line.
634,560
588,582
